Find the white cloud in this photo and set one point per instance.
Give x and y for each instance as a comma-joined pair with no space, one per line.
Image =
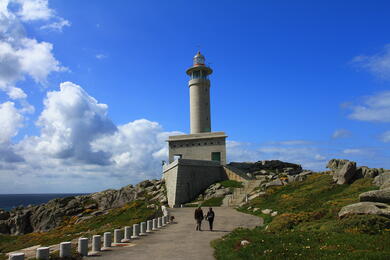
378,64
22,56
341,133
375,108
352,151
79,143
32,10
56,26
10,120
291,142
71,119
385,137
100,56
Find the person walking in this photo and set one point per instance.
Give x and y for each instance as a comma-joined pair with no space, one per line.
199,218
210,218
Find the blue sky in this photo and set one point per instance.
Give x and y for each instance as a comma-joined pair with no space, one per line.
299,81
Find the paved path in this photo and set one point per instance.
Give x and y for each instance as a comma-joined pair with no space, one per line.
180,240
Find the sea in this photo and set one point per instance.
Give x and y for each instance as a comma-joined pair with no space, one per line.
9,201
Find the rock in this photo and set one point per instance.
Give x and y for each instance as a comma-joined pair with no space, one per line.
305,173
376,196
217,186
255,209
346,174
98,213
253,196
365,172
266,166
82,219
336,164
276,182
23,220
244,242
4,214
365,208
382,178
249,208
385,185
273,214
266,211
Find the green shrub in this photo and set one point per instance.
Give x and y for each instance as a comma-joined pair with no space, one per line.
231,184
213,202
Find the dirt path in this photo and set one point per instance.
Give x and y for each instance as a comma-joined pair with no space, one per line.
180,240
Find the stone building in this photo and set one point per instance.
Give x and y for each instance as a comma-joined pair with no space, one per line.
196,159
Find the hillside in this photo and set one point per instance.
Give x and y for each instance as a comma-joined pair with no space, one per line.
307,226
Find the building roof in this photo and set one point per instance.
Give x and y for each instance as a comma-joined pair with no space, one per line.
197,136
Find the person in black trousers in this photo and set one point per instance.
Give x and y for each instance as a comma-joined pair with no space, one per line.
210,218
199,217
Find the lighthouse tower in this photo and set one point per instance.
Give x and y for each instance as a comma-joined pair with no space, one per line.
199,85
196,160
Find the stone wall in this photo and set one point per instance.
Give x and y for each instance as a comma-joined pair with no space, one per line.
198,146
185,179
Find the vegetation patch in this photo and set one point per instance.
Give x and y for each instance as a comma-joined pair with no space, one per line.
307,225
231,184
213,202
132,213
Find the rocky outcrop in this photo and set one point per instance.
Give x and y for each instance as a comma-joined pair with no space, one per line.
345,171
214,191
336,164
345,174
267,167
23,220
376,196
364,208
382,180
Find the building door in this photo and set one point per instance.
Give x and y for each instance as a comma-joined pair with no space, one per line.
216,156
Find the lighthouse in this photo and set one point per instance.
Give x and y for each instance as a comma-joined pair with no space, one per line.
199,85
198,159
201,143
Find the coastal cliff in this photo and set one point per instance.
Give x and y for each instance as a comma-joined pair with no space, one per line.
44,217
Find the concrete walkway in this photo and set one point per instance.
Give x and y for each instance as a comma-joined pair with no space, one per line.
180,240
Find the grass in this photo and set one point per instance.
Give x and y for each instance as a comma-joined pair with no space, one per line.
212,202
307,226
131,213
231,184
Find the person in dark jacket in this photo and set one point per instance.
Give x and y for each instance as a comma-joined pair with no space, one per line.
210,218
199,218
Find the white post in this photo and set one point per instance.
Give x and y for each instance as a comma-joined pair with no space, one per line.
118,235
65,249
163,219
107,240
16,256
135,231
143,229
159,222
154,224
127,237
149,225
83,246
96,243
42,253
